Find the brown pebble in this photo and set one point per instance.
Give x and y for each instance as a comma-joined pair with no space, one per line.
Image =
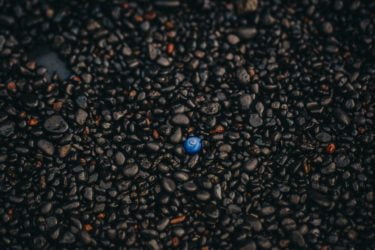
22,114
50,12
306,167
76,78
219,129
31,65
125,6
171,34
87,227
138,19
331,148
11,86
57,105
86,131
38,164
169,25
148,122
178,219
190,130
132,93
361,130
97,120
42,182
10,212
175,241
101,216
251,72
155,134
32,122
170,48
51,87
324,87
284,243
150,15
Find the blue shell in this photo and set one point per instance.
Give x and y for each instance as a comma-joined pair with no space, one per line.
193,145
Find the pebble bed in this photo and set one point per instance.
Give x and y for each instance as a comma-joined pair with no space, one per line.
98,97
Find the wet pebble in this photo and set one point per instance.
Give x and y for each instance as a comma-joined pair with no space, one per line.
7,128
251,165
153,146
176,137
342,160
255,120
120,158
67,238
244,6
86,238
88,193
242,76
267,210
46,146
324,137
203,195
246,101
82,101
130,170
190,186
169,185
246,33
162,61
181,119
341,116
298,239
211,108
327,27
167,3
81,116
233,39
56,124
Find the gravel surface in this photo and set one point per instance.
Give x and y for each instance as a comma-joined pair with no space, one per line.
98,97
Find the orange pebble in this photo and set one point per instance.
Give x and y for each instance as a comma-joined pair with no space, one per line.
87,227
132,93
76,78
178,219
331,148
138,19
101,216
219,129
170,48
32,122
11,86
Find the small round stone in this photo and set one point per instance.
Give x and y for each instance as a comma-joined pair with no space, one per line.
56,124
193,145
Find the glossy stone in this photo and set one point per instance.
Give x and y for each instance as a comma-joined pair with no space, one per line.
193,145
